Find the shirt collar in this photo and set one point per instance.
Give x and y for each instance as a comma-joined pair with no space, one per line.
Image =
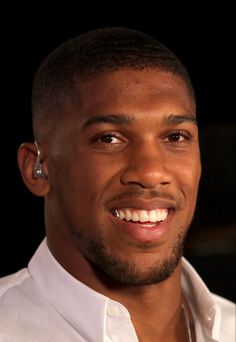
76,302
69,297
203,307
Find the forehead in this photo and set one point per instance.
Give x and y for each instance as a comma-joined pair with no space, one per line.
131,90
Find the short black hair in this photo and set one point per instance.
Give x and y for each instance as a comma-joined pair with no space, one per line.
89,54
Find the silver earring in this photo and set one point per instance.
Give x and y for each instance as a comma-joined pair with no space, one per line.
38,172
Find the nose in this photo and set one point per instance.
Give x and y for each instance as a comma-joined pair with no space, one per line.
147,167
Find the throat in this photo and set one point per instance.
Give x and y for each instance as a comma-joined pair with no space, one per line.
175,324
188,323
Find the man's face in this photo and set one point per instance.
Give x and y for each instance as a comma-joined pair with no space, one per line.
124,171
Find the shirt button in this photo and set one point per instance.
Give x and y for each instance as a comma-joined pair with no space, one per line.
112,310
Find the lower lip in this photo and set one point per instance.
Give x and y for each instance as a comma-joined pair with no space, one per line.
157,233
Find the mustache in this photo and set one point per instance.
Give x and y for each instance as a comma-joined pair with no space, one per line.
148,195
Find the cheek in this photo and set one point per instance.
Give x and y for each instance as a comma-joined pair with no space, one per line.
92,177
189,181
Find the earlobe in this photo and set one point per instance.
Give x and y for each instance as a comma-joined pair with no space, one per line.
32,169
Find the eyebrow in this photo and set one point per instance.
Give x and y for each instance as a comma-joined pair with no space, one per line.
126,120
174,119
117,119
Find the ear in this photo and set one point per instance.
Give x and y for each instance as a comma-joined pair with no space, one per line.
26,156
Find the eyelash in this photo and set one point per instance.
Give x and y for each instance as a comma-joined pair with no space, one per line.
107,135
185,135
167,138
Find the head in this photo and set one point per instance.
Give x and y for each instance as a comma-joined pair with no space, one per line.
114,116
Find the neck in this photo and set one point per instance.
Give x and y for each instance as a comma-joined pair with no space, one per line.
161,297
155,310
160,303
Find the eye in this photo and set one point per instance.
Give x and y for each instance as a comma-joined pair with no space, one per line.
177,136
109,139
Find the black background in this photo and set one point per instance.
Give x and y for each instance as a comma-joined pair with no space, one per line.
204,41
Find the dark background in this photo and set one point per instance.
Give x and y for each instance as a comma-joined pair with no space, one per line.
204,41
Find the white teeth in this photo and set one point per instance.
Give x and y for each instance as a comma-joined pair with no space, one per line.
121,215
136,215
144,217
152,216
127,215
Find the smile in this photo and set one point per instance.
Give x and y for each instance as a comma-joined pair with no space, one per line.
141,215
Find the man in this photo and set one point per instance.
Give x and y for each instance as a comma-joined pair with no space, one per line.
116,157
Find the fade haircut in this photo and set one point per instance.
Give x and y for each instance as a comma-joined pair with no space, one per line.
88,55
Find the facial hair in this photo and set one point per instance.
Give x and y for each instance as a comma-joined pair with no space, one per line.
124,272
127,273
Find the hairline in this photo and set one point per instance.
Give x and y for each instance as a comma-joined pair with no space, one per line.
58,106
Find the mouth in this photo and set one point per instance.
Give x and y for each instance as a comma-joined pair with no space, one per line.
143,226
146,218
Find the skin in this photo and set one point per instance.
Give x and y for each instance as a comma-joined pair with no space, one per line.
151,158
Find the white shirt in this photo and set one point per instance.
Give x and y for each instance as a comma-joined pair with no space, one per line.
46,303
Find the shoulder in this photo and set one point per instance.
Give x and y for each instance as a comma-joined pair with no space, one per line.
13,293
227,307
12,281
24,312
11,304
228,317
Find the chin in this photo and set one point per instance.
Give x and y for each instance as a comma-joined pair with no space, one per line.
144,268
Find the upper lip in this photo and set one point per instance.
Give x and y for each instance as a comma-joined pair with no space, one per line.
137,203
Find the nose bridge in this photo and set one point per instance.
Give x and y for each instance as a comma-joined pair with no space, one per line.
146,166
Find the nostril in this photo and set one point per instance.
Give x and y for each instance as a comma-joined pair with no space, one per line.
145,180
165,183
139,184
